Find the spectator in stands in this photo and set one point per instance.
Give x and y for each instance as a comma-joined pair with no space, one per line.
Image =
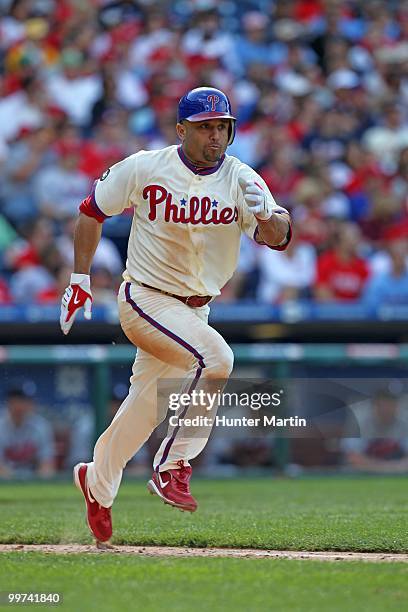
309,218
13,26
286,275
329,137
29,282
106,255
27,155
380,442
156,34
34,261
24,109
341,272
346,86
282,175
109,97
60,186
104,286
387,139
111,143
389,286
380,258
254,45
354,175
52,292
26,439
208,39
249,143
26,250
73,89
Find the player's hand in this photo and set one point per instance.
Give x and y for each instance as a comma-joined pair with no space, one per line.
78,295
256,199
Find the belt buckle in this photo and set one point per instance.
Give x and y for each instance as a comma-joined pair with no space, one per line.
203,300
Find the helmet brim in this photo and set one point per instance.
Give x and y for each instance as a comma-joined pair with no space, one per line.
207,116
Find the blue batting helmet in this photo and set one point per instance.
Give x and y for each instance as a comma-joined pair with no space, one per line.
206,103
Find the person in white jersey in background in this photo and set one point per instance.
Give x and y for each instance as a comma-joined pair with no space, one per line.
191,203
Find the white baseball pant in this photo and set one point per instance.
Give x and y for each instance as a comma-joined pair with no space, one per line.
174,341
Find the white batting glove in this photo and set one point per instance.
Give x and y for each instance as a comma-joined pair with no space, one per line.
256,199
78,295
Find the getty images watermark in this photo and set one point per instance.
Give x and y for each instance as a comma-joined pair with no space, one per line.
207,401
304,407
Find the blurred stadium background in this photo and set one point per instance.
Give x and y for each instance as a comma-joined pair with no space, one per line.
320,90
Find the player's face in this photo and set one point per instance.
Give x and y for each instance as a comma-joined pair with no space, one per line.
204,142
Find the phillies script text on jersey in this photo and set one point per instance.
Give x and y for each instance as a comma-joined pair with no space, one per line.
186,229
196,210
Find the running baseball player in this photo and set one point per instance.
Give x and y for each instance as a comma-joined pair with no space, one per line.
191,203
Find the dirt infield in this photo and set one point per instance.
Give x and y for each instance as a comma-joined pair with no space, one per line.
170,551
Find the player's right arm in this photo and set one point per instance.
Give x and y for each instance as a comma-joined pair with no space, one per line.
88,231
110,196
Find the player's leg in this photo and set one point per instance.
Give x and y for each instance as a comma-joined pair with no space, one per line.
185,442
132,425
135,420
179,335
169,332
174,333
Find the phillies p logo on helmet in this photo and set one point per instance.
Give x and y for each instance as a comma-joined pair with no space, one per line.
214,99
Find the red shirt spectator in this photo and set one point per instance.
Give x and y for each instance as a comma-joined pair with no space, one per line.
344,279
341,273
27,253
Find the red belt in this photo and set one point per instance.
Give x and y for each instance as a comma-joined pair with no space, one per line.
194,301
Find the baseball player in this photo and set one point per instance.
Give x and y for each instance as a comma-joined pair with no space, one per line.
191,203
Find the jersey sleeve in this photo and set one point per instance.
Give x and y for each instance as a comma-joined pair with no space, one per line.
112,193
249,223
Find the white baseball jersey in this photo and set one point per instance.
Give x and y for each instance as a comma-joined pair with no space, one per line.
187,222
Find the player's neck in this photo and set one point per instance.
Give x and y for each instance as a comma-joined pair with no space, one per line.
199,164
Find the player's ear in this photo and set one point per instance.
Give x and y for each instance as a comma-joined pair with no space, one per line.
181,131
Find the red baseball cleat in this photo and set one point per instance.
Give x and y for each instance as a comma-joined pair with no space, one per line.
173,487
98,518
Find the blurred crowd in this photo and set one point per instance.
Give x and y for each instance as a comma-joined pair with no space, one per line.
320,91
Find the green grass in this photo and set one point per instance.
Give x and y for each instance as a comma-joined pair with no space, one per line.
106,582
360,514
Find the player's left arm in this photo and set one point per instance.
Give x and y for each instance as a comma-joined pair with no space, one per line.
272,222
275,231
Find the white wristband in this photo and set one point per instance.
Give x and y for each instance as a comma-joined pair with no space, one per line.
81,279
